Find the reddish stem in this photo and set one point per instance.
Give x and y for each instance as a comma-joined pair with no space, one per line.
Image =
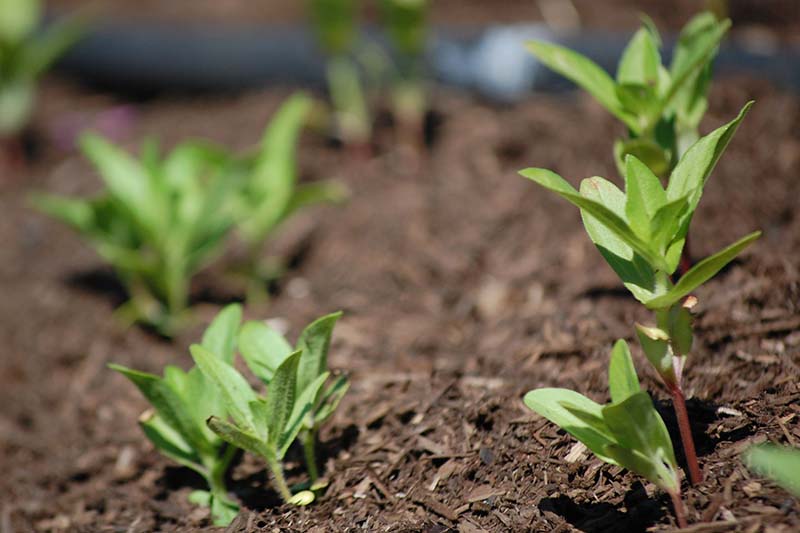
686,259
679,404
677,504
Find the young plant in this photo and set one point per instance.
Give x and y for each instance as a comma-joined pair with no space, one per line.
268,192
641,234
25,54
181,403
295,401
158,222
627,432
660,106
336,26
263,349
405,22
778,463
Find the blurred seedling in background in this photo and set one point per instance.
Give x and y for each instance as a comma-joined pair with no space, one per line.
181,403
268,192
25,54
627,432
405,22
641,233
660,106
296,401
157,222
778,463
335,23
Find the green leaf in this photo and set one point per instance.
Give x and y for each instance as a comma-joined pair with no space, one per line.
76,213
18,19
640,60
549,403
622,379
125,179
603,214
781,464
329,399
586,74
263,349
664,227
238,437
302,407
637,426
702,272
308,194
169,442
168,404
236,392
692,171
644,196
43,50
314,342
223,511
281,397
655,344
220,336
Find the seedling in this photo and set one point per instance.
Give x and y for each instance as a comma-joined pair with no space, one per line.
294,402
641,233
182,401
158,222
263,349
778,463
405,22
269,193
336,26
660,106
627,432
25,54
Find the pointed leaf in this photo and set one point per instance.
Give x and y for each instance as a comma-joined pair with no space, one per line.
640,60
263,349
665,225
168,441
281,397
76,213
235,391
302,407
781,464
622,379
314,342
329,399
220,336
238,436
549,404
585,73
702,272
644,196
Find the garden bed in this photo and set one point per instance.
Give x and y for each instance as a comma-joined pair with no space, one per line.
463,286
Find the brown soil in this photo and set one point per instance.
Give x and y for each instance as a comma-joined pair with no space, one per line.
463,286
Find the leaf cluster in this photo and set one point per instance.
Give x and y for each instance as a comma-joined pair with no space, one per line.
641,232
161,219
25,54
182,401
627,432
660,105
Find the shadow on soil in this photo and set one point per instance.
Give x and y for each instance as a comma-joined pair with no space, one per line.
638,513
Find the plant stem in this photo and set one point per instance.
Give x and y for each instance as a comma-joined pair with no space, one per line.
309,445
677,504
279,480
679,404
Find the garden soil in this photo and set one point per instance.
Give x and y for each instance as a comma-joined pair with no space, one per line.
463,286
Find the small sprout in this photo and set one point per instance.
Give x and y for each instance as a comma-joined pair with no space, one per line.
627,432
336,26
25,54
158,222
778,463
661,105
406,27
641,233
176,424
263,349
295,399
269,192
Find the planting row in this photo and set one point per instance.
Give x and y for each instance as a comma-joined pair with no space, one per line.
162,219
